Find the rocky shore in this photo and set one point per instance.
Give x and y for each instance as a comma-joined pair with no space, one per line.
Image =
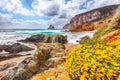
33,55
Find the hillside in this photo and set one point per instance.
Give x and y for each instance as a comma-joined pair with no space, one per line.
92,19
112,31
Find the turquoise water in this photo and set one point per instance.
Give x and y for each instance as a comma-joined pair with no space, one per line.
8,36
32,32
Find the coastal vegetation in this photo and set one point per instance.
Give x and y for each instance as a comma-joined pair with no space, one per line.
97,61
103,30
97,58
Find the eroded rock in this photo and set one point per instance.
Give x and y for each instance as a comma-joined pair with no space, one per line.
49,50
25,70
47,55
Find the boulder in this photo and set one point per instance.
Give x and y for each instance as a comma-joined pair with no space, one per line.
25,70
46,38
49,55
49,50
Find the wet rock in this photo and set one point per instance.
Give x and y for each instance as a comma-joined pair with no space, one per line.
34,38
46,38
25,70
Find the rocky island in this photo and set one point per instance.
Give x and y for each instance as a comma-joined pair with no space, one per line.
51,27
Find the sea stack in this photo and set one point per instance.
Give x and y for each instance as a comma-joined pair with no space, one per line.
51,27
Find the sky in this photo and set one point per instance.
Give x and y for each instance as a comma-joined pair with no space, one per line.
39,14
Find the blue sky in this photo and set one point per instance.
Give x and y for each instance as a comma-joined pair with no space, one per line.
39,14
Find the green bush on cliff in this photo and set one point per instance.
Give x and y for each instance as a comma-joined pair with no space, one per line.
84,39
102,31
90,41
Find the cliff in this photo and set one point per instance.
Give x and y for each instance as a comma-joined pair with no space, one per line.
112,31
92,19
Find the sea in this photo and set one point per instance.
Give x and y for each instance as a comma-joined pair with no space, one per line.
9,36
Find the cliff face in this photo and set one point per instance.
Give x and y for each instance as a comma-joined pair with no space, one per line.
111,32
88,21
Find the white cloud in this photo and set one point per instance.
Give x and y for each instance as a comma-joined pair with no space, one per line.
5,20
106,2
14,6
29,24
42,7
58,10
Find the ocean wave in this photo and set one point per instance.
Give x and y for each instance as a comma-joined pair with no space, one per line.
6,37
40,32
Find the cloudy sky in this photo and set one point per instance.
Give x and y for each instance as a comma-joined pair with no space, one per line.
39,14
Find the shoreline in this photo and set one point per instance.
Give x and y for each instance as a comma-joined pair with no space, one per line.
19,59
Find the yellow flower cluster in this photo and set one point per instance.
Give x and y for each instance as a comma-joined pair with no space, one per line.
95,61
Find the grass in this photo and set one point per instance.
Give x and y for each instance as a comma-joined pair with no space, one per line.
102,31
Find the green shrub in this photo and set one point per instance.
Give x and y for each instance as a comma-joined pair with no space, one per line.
88,40
102,31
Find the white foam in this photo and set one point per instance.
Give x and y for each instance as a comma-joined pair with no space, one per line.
73,37
12,37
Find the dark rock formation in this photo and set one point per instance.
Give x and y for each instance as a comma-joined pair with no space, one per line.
90,16
46,38
14,48
51,27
